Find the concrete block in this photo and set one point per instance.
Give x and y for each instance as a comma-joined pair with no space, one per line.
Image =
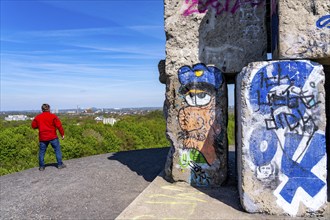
226,33
301,30
281,138
197,126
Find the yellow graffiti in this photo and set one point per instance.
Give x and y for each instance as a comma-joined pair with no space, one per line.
199,73
154,217
181,196
144,217
192,206
195,91
174,218
185,201
173,188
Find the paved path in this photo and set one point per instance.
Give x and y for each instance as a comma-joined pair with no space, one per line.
96,187
164,200
119,185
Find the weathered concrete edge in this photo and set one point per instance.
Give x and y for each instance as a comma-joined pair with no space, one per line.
125,213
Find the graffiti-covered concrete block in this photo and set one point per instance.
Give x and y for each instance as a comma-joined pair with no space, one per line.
197,126
281,137
301,29
226,33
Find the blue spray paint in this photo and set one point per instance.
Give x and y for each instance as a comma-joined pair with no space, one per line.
300,174
260,135
264,100
324,21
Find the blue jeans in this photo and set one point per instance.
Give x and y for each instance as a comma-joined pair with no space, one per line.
42,150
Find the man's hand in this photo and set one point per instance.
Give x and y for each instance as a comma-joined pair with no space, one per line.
63,137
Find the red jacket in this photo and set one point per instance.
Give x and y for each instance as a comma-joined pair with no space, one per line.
47,123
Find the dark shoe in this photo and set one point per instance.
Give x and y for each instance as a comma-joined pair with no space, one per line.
61,166
41,168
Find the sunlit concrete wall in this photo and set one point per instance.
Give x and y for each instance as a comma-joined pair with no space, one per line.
301,30
281,137
212,38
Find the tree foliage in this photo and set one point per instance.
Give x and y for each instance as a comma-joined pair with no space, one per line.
231,128
83,137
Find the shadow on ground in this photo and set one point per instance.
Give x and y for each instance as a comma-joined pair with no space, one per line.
143,161
228,192
51,165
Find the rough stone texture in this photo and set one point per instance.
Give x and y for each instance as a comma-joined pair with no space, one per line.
197,126
301,29
226,33
281,138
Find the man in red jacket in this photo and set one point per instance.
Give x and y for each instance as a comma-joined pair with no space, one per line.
47,123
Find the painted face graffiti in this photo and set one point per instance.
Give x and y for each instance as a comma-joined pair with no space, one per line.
199,129
265,172
198,119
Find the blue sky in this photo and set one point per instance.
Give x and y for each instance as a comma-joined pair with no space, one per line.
88,53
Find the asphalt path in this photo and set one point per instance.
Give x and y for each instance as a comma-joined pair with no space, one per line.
99,187
96,187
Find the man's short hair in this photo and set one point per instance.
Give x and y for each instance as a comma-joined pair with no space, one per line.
45,107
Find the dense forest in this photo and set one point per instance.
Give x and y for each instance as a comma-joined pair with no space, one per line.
84,137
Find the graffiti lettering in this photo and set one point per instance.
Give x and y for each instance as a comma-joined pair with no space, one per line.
199,177
201,6
291,121
285,95
323,22
284,87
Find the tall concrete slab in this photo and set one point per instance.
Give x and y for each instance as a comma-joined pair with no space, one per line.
224,36
226,33
301,30
197,126
281,140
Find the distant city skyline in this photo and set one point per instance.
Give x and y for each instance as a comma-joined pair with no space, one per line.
88,53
